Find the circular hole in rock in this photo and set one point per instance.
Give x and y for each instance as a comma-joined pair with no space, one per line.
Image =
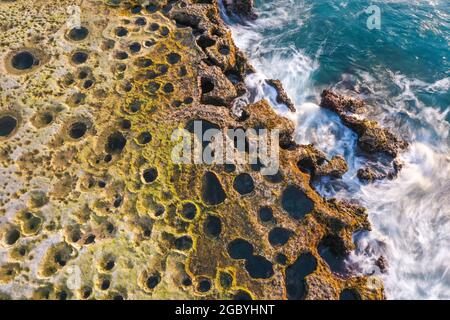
279,236
226,280
79,57
121,32
164,31
224,49
136,9
87,84
153,281
265,214
242,295
7,125
12,236
151,8
115,143
154,26
173,58
144,138
183,243
186,282
125,124
143,62
135,47
86,292
243,184
295,202
213,226
77,130
168,88
78,34
121,55
349,294
105,284
212,191
23,60
140,21
259,267
240,249
205,41
189,210
204,285
46,118
109,265
150,175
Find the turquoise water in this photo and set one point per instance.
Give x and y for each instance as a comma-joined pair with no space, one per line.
403,71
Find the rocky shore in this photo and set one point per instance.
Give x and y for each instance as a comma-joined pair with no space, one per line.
92,205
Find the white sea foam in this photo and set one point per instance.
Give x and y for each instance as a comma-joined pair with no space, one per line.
410,215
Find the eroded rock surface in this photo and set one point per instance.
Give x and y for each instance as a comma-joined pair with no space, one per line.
92,206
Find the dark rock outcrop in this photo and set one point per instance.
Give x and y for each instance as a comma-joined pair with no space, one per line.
282,96
315,163
371,137
241,8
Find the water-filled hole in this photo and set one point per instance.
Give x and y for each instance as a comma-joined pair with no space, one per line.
259,267
144,138
183,243
349,294
173,58
79,57
242,295
279,236
295,202
207,85
150,175
244,184
23,60
168,88
115,143
12,236
121,32
77,130
78,34
153,281
212,191
204,285
205,42
265,214
7,125
189,210
240,249
213,226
